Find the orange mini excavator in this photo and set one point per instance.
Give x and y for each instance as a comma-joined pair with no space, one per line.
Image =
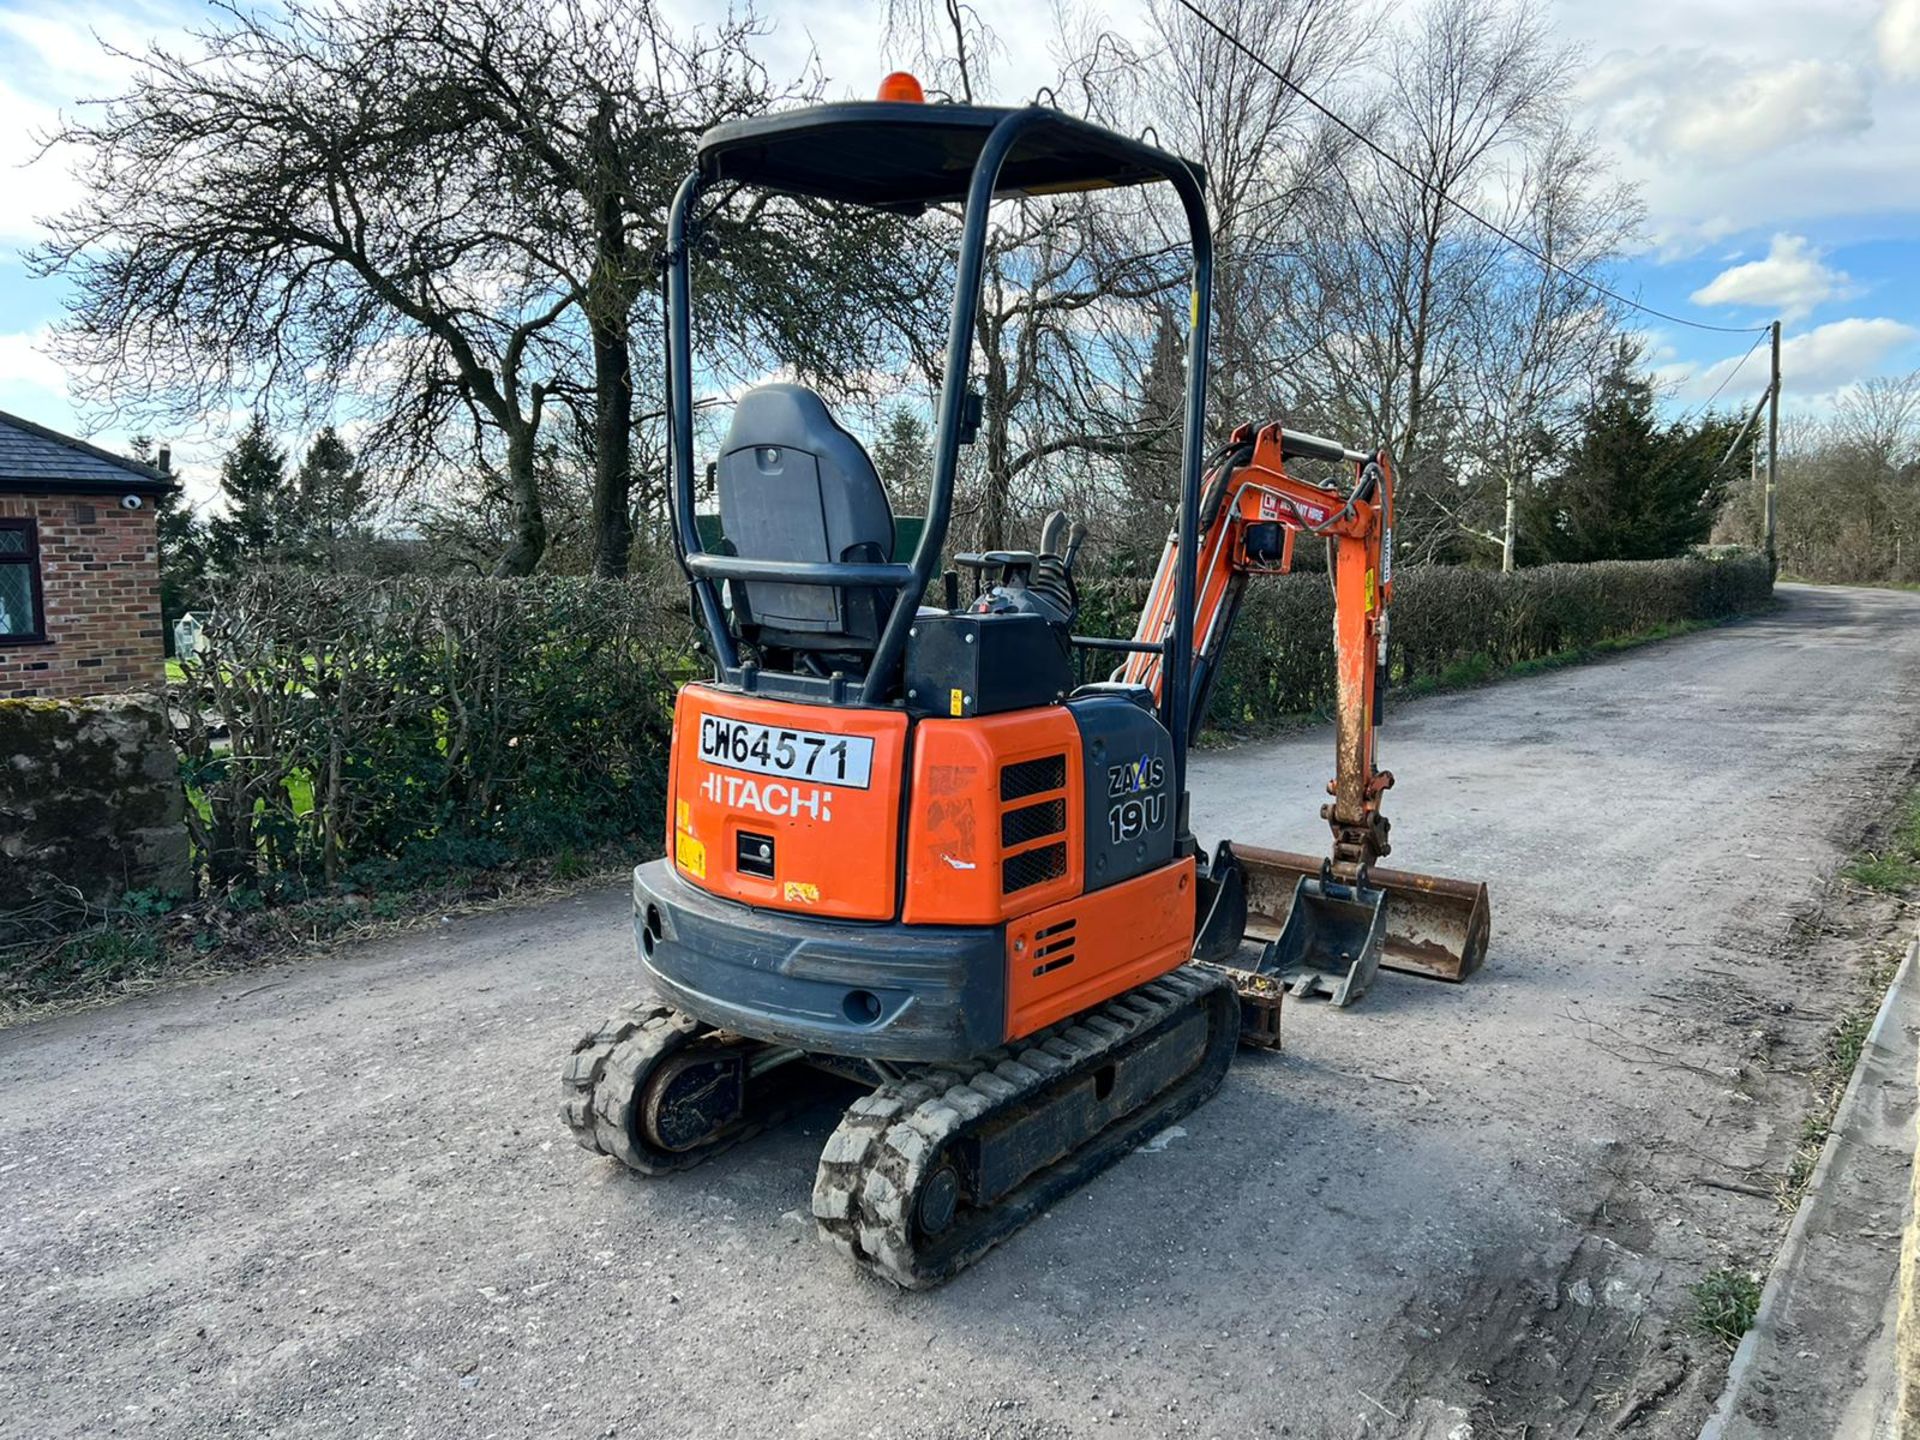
903,846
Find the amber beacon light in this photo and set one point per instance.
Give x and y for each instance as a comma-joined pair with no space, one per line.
902,87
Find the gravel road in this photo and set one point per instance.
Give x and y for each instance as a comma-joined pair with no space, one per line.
332,1198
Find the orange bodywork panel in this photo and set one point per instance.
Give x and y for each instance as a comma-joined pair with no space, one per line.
1069,956
994,828
820,785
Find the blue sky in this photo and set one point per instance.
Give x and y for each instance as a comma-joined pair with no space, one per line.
1776,146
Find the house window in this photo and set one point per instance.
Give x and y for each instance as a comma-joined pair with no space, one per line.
21,616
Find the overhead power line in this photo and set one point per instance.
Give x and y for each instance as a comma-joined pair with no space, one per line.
1514,240
1727,379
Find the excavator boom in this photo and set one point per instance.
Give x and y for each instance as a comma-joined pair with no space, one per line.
1327,922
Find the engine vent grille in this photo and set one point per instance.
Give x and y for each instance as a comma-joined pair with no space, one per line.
1053,947
1033,867
1033,777
1030,822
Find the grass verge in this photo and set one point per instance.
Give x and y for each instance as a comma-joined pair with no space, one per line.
61,954
1725,1302
1893,869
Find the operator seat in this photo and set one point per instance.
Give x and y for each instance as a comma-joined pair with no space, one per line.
793,485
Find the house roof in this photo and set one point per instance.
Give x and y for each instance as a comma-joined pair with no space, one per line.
32,457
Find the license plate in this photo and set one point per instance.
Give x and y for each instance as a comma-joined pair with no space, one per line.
795,754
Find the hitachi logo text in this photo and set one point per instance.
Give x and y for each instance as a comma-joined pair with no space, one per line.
768,797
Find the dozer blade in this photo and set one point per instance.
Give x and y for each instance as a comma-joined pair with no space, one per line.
1433,926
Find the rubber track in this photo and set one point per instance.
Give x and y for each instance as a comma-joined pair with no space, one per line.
601,1085
586,1065
888,1141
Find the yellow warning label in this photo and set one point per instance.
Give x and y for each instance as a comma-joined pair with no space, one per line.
957,703
691,855
1369,592
683,817
798,892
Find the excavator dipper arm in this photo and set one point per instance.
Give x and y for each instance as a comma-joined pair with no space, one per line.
1253,514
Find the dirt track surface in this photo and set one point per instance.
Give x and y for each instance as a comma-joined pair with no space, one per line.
333,1199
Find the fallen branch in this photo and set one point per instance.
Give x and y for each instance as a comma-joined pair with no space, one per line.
1737,1188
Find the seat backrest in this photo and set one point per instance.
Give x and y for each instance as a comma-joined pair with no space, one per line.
795,486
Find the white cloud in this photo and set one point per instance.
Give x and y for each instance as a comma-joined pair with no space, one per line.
24,361
1695,105
1898,36
1793,104
1829,356
1772,115
61,52
1813,364
1793,279
1675,237
37,185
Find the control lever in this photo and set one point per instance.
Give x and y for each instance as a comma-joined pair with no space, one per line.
1053,533
1075,540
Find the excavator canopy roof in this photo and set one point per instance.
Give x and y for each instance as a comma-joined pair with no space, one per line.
902,156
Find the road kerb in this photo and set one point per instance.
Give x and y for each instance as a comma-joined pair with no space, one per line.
1907,1340
1786,1261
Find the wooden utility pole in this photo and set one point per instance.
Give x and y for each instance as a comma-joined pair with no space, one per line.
1773,448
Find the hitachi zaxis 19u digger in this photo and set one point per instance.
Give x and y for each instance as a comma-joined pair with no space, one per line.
903,846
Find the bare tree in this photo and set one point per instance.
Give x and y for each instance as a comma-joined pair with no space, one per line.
447,219
948,43
1263,151
1385,294
1849,500
1538,333
268,213
1054,388
1880,418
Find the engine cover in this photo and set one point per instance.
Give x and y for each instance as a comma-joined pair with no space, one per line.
787,806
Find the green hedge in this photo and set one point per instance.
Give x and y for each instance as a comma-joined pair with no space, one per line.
340,731
1280,664
334,726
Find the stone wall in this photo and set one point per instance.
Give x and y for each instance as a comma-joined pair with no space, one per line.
90,798
100,575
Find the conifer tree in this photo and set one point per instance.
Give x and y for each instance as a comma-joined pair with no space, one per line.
253,483
330,493
1631,488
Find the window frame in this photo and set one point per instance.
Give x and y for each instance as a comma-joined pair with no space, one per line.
29,526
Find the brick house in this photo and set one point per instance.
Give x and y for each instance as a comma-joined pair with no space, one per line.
79,566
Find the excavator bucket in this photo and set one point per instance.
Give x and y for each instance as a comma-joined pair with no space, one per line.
1330,942
1425,924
